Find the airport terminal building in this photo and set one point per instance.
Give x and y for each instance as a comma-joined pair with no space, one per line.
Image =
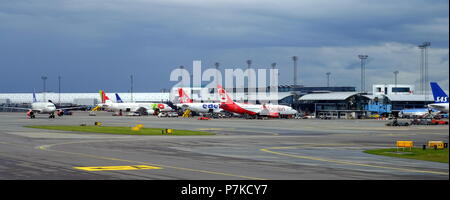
384,100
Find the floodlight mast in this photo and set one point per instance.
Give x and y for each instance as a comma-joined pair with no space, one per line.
295,58
328,78
59,90
395,79
131,87
363,72
424,68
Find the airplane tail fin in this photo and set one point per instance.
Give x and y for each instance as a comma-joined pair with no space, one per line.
438,94
118,99
34,97
103,96
184,98
224,98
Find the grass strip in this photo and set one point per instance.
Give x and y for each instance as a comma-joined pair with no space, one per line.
120,130
439,155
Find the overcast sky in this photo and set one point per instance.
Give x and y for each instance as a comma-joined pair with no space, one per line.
98,44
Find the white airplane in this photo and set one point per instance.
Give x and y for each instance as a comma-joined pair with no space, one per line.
188,103
269,110
120,106
41,108
440,98
412,113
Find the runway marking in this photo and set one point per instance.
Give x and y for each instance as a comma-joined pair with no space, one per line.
344,162
214,129
47,148
233,129
409,128
117,168
13,144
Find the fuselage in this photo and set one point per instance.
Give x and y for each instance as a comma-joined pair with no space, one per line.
255,109
201,107
252,109
43,107
134,107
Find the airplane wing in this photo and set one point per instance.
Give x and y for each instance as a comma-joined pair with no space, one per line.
70,108
17,108
22,108
437,106
265,111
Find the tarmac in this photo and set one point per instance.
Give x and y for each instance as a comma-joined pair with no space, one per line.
274,149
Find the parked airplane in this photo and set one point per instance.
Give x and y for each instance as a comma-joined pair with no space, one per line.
440,98
187,103
269,110
412,113
42,108
142,108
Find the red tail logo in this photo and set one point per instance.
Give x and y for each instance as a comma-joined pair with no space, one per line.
184,98
224,98
103,96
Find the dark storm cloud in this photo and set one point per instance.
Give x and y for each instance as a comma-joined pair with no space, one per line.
98,43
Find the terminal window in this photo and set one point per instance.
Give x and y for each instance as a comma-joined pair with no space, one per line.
398,89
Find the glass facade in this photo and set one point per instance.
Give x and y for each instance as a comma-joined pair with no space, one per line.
400,89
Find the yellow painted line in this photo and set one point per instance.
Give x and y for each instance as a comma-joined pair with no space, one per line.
346,162
117,168
47,148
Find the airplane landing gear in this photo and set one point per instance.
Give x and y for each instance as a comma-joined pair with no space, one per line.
60,113
52,115
30,114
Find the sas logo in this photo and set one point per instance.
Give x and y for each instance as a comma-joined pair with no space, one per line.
441,99
210,106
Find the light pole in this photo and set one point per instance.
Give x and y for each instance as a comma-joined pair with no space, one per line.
273,77
59,90
328,78
44,79
250,78
217,72
131,89
363,72
295,58
216,64
395,79
424,68
274,65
